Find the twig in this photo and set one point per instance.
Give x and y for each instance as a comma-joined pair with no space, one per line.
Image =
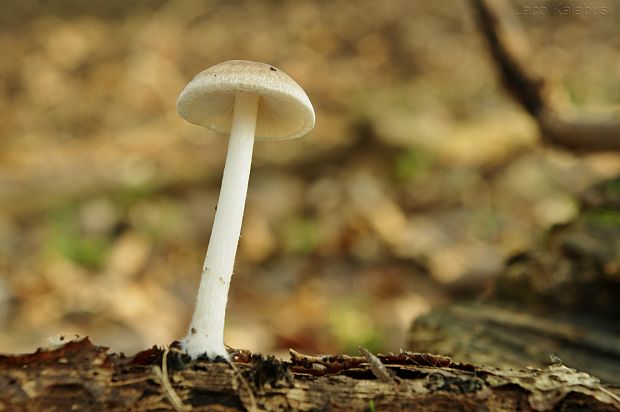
609,393
377,367
300,357
162,375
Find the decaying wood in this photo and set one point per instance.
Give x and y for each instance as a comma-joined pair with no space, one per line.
85,377
509,48
506,336
576,270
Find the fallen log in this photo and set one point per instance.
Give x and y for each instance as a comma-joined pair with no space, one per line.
81,376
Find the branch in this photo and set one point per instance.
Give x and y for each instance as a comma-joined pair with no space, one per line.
509,48
581,132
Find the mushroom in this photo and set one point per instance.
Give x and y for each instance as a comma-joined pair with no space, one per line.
248,100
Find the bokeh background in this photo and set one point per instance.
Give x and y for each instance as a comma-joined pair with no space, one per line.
420,178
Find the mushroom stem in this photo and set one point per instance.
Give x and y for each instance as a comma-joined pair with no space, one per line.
206,331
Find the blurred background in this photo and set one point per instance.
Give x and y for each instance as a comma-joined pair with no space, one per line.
420,178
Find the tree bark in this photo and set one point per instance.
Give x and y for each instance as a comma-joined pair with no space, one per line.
509,337
85,377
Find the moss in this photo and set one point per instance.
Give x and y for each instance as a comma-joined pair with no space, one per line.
132,194
302,235
65,237
612,187
412,164
352,326
89,252
603,217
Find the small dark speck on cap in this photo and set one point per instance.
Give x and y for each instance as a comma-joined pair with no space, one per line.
193,330
273,69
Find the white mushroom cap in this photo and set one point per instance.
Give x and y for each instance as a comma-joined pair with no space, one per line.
284,109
